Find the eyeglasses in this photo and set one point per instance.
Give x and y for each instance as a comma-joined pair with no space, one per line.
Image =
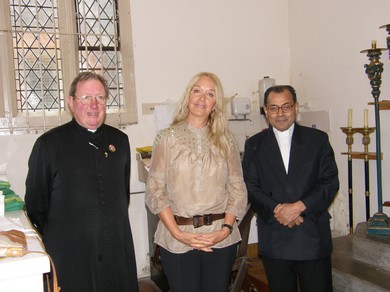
87,99
286,108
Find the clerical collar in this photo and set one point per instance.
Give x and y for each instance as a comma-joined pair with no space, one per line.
83,130
286,133
284,142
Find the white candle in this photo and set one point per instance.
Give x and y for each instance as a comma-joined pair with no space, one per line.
365,118
350,118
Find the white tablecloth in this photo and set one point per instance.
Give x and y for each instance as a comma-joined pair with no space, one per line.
22,273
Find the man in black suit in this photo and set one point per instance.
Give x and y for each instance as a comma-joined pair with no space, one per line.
292,179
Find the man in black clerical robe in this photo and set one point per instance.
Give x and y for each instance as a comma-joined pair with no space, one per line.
77,195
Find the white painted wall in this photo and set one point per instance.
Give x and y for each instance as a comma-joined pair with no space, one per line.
327,70
312,44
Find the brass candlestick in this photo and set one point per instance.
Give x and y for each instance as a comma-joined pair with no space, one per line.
366,140
379,223
349,131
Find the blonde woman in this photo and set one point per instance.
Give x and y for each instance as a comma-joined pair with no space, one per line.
196,187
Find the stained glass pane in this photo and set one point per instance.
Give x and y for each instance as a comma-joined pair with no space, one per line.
37,56
99,47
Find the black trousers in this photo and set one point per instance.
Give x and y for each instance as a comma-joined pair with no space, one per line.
199,271
309,276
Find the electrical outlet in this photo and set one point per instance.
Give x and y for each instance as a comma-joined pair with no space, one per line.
148,108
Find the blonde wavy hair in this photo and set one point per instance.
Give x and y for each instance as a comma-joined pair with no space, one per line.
217,122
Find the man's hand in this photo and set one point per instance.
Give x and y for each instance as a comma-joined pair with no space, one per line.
289,214
297,222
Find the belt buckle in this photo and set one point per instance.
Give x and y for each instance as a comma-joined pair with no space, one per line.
200,220
208,219
196,221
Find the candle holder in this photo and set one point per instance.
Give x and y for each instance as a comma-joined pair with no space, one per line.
366,140
387,26
349,131
379,223
374,69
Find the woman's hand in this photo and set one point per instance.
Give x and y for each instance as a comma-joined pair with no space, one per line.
214,238
199,241
196,240
202,241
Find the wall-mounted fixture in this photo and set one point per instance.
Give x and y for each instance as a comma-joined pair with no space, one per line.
264,84
241,106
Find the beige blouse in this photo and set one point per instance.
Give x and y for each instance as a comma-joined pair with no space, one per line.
191,176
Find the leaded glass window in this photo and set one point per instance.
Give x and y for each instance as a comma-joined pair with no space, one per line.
37,54
46,43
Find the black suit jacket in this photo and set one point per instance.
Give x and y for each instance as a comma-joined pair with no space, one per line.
312,178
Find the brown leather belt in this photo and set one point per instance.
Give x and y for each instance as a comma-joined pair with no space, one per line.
199,220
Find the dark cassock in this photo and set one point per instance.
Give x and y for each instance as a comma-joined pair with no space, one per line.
77,196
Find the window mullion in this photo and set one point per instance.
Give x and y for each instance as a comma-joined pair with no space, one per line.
69,45
59,91
116,45
7,88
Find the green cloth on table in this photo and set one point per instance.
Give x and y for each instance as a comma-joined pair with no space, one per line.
11,200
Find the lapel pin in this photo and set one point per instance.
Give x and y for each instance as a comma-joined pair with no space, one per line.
111,148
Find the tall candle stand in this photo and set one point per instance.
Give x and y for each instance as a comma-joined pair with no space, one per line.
379,223
387,26
349,131
366,131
